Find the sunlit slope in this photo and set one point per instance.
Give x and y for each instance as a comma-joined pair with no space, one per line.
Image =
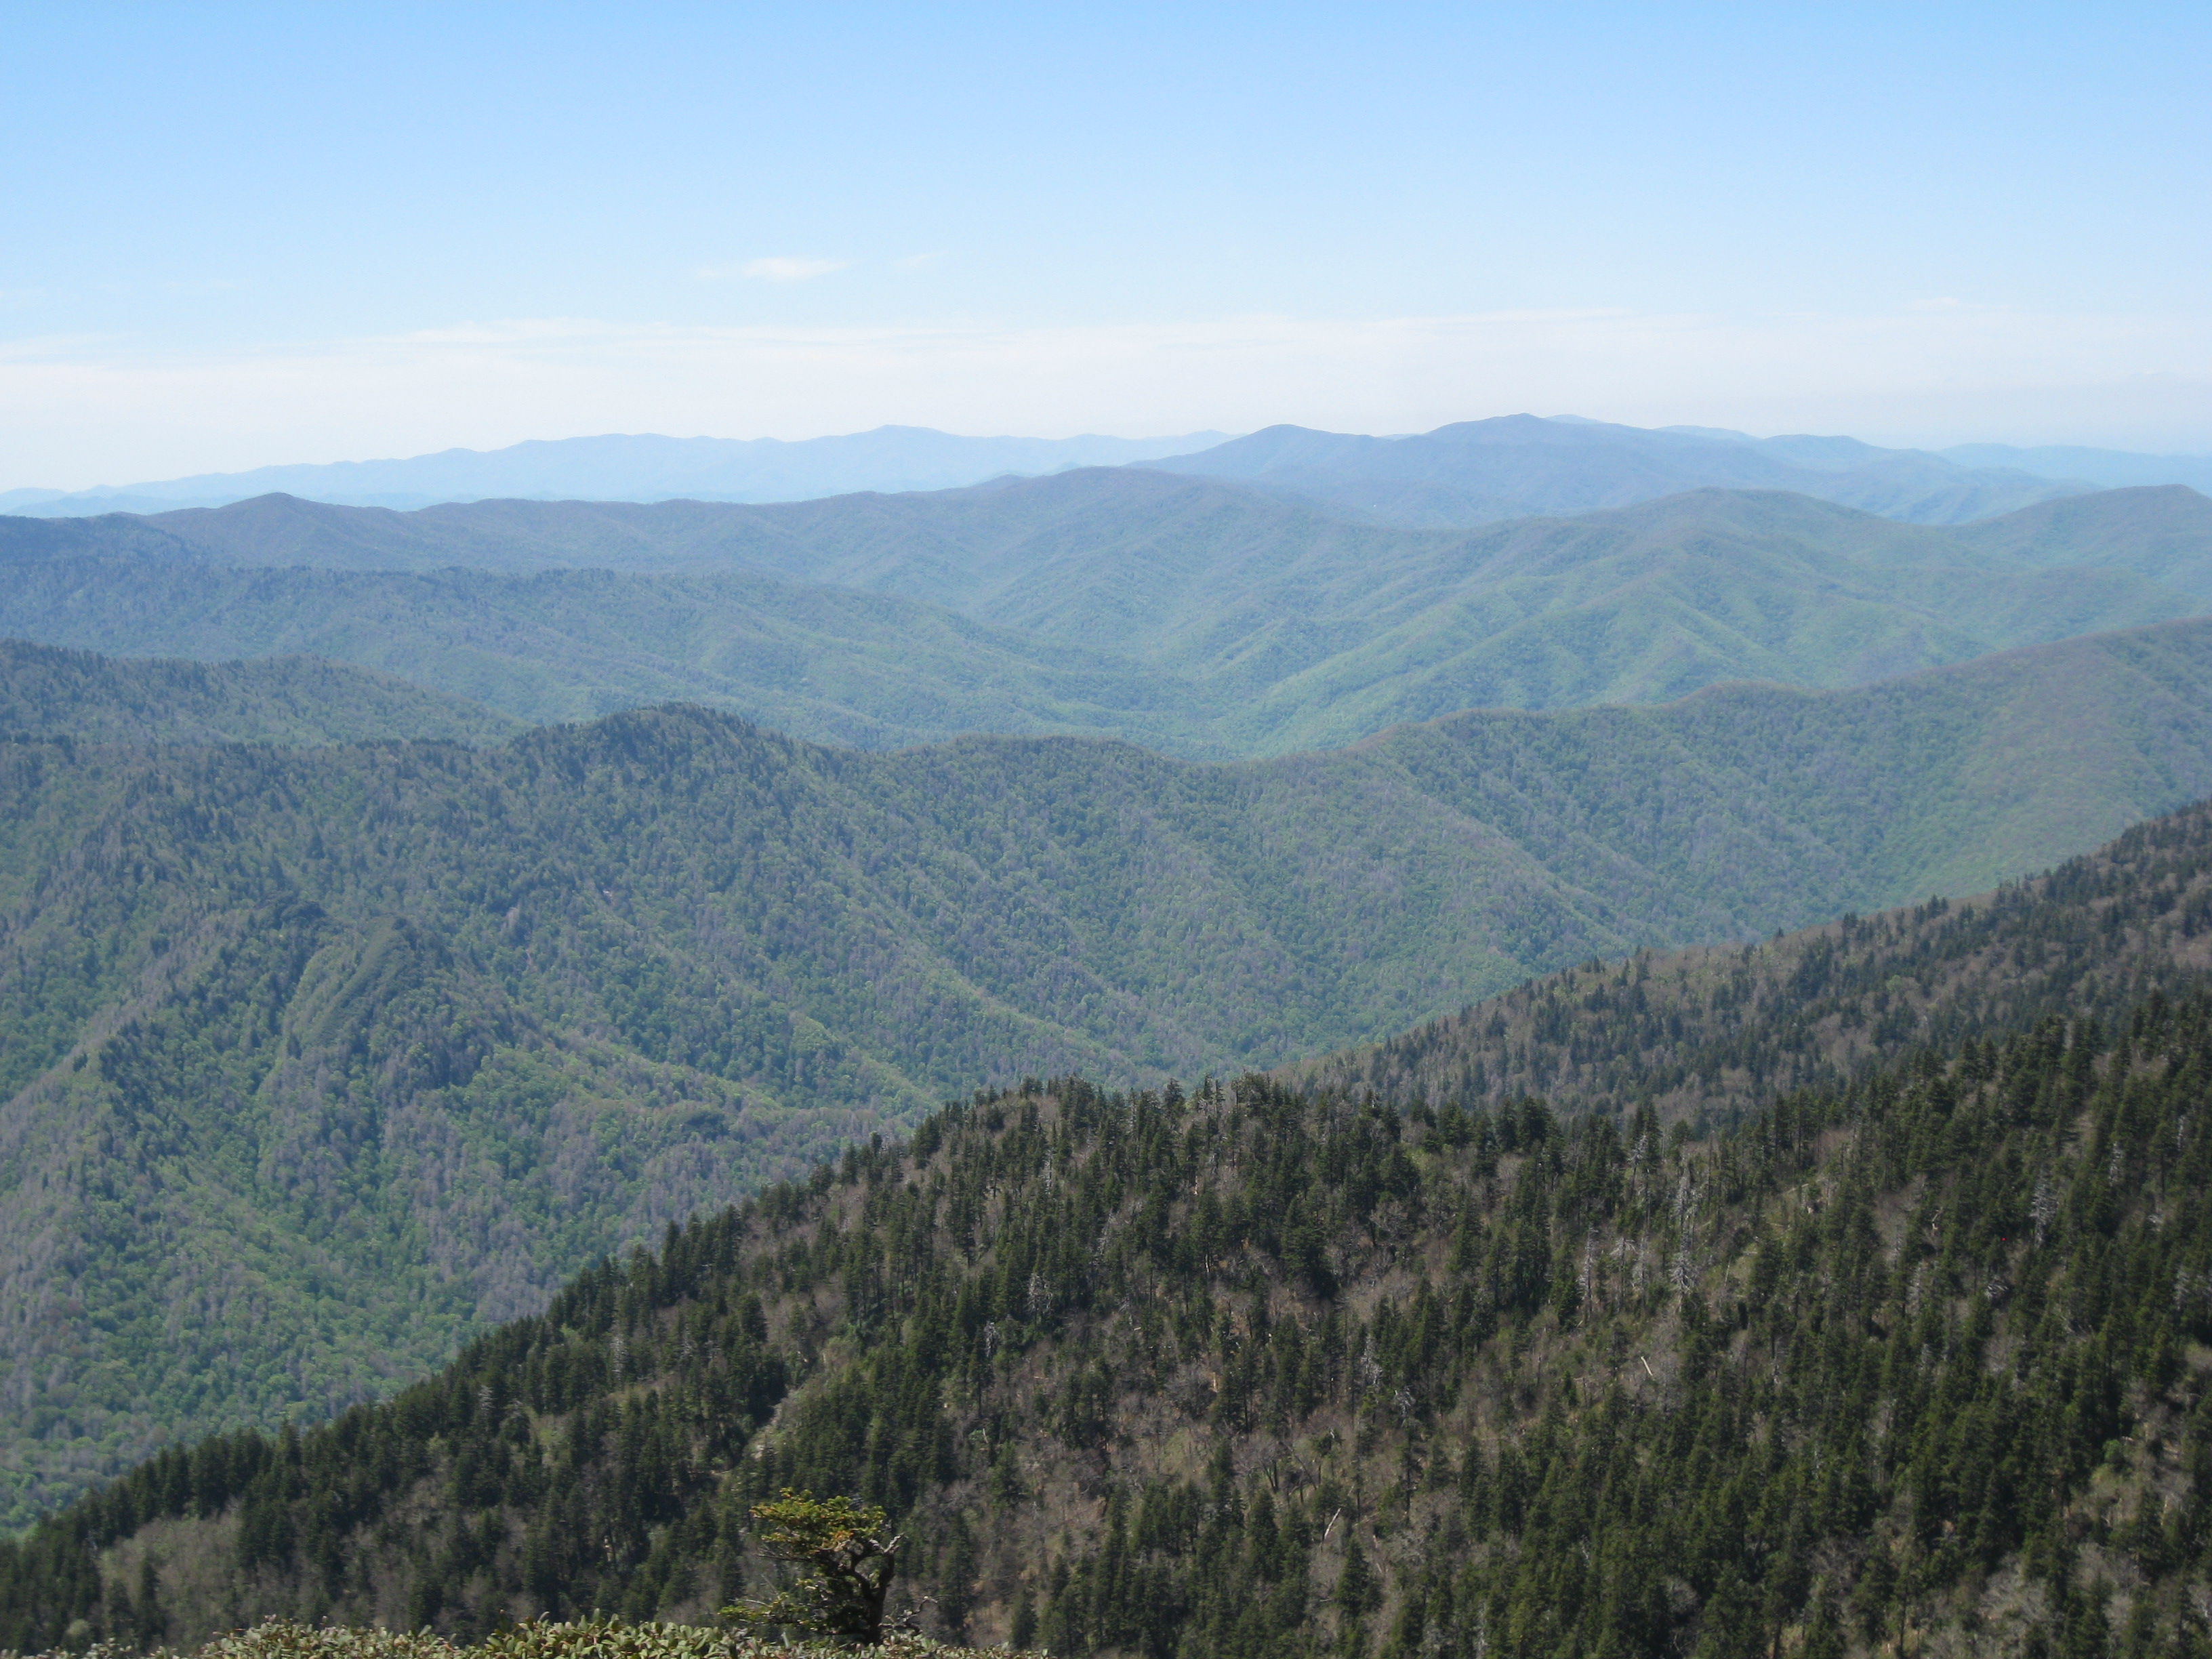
1651,603
2162,531
1187,615
824,663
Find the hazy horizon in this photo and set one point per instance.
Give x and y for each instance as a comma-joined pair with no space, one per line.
298,238
27,491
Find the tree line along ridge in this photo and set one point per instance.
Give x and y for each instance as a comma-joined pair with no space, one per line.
1247,1371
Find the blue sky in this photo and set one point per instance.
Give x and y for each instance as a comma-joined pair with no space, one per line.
243,235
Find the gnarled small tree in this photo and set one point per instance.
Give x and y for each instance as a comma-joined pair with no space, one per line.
848,1564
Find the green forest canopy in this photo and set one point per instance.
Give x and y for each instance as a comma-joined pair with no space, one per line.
1192,615
317,1062
1245,1373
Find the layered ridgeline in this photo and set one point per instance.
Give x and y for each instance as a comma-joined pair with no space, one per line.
2114,468
1514,466
823,663
315,1061
1469,472
1919,1365
50,692
1190,615
632,467
1711,1032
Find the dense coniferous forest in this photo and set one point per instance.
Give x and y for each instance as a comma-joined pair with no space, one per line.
1919,1362
315,1063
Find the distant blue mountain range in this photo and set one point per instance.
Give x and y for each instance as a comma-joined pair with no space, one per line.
1518,466
622,467
1469,473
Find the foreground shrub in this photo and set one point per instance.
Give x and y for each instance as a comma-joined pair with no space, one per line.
848,1559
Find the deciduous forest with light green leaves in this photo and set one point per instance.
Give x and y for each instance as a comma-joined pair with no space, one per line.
704,955
1920,1357
1522,1182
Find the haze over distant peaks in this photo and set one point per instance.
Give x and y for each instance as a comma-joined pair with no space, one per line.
1519,466
626,467
1471,472
2115,468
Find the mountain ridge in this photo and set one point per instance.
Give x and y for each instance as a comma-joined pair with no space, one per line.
1713,1032
2112,468
1520,465
1356,473
1187,614
1251,1372
630,467
276,1023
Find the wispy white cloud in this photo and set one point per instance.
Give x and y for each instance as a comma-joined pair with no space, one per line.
75,410
780,268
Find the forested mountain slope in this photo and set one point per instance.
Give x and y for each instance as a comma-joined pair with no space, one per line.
2161,533
1917,1367
1654,601
1513,466
1710,1033
820,662
1182,613
49,692
313,1061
